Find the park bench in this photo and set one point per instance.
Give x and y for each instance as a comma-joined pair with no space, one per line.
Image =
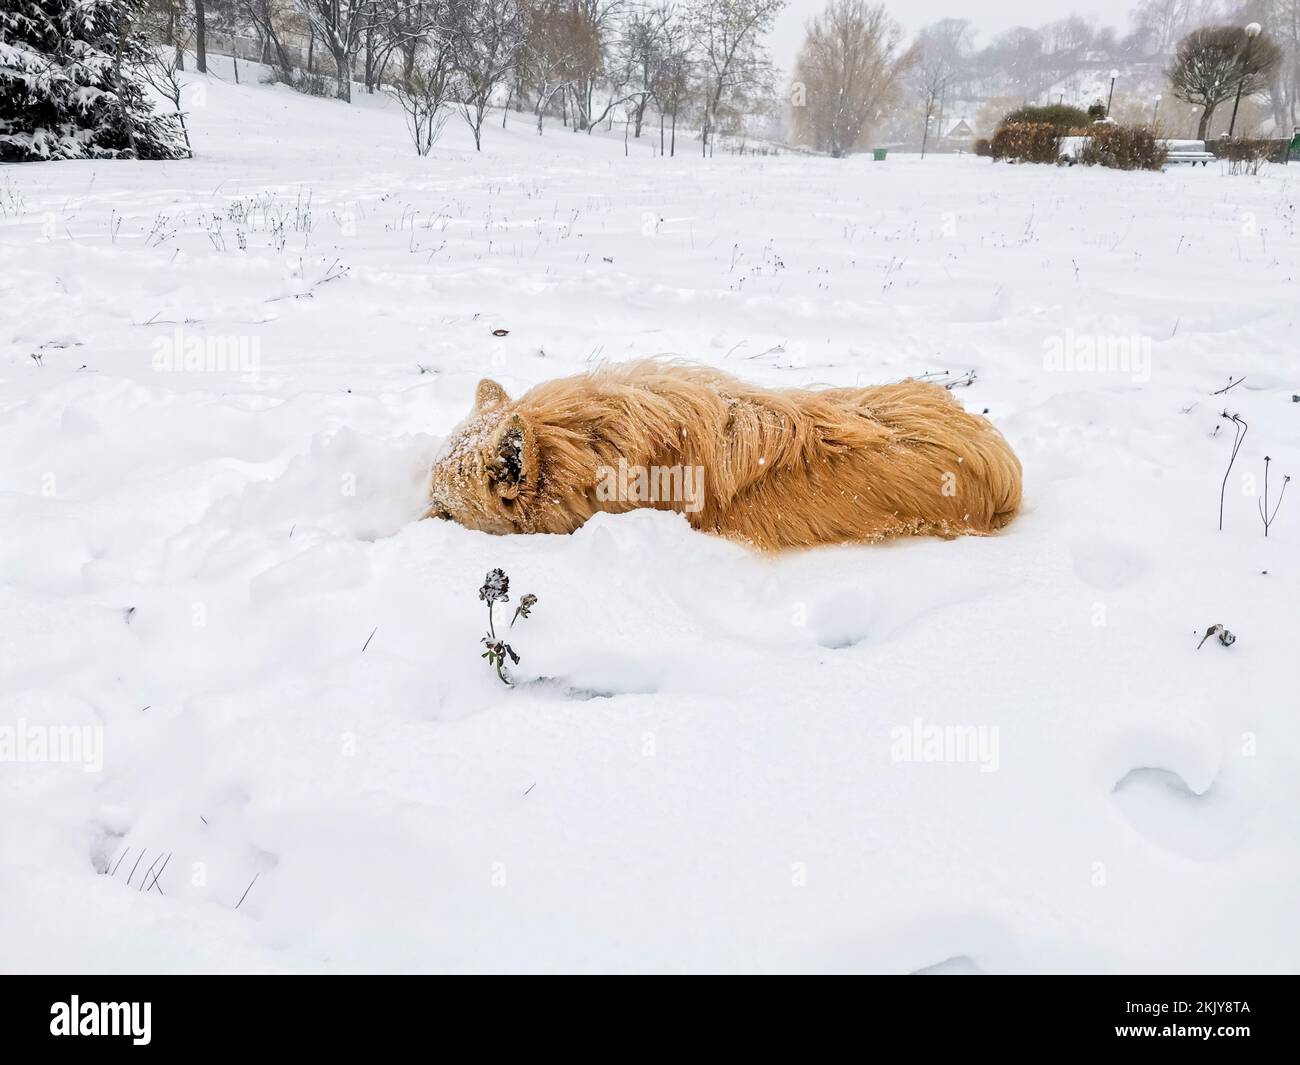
1180,151
1189,152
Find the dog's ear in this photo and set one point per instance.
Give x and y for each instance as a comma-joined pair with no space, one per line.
512,457
489,396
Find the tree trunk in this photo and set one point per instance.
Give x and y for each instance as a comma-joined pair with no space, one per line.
201,35
281,55
1203,130
174,41
938,132
124,116
342,74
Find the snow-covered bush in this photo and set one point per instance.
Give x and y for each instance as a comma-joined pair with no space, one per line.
69,87
1027,142
1248,156
1124,147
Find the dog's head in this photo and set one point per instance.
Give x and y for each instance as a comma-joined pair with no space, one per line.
486,476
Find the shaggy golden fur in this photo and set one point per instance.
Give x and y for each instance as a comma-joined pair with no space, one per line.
780,468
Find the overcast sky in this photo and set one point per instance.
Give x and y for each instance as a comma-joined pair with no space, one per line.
989,16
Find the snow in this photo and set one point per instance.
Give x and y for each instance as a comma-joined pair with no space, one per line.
216,438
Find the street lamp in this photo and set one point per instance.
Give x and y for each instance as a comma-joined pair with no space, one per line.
1252,31
1113,75
1156,111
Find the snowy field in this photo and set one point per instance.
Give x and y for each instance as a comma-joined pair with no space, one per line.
221,385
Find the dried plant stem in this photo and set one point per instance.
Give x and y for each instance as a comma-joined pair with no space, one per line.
1239,428
1265,514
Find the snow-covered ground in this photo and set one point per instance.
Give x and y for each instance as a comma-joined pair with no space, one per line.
708,761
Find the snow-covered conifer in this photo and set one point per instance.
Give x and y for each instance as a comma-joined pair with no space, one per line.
69,87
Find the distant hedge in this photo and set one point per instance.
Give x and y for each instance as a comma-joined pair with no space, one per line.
1061,116
1108,144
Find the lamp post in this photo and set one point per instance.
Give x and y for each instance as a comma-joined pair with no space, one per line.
1113,75
1252,31
1156,111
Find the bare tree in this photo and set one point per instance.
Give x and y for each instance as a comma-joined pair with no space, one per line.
425,91
1283,20
402,27
227,19
928,82
640,46
673,80
731,59
485,46
547,53
938,59
171,23
161,69
1160,24
849,67
340,25
1213,63
590,27
267,18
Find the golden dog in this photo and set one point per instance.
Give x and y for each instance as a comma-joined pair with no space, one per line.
772,468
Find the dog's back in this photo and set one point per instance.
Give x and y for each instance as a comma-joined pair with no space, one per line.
780,468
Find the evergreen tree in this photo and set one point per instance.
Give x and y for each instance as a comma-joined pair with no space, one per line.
69,87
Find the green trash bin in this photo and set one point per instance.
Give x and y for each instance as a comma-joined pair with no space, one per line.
878,154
